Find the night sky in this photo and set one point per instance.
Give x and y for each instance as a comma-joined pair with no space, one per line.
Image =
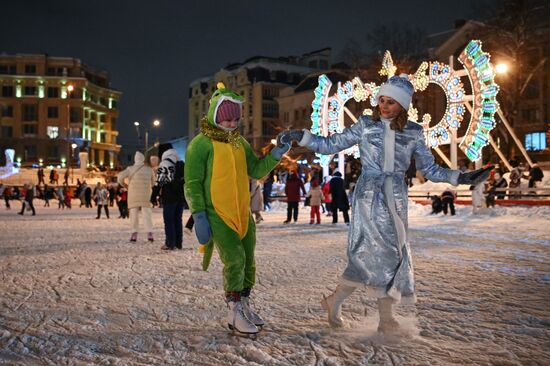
154,49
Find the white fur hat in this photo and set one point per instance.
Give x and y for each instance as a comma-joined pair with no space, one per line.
398,88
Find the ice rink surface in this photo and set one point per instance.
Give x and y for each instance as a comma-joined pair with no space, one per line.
75,291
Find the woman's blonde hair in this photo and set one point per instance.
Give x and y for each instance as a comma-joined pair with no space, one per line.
398,123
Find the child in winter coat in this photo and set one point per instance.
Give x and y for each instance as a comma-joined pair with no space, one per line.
123,202
218,165
379,257
315,195
327,198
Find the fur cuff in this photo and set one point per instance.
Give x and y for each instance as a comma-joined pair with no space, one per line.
306,139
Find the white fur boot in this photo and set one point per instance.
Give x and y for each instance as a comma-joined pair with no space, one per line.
387,324
333,304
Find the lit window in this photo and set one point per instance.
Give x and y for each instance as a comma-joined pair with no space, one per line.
53,132
535,141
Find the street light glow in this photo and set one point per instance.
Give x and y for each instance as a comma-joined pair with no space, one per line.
156,123
70,88
501,68
136,123
73,145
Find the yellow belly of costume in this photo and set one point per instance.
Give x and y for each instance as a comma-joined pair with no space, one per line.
229,186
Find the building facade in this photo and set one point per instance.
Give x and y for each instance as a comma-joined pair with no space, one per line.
50,103
259,80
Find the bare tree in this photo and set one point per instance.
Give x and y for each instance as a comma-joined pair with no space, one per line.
514,34
408,45
352,54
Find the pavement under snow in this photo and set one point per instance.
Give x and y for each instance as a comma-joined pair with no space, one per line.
75,291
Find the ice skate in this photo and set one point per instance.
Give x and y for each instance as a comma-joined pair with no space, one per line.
150,237
251,314
134,237
334,311
237,321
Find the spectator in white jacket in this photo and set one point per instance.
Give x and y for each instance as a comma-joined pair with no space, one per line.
140,184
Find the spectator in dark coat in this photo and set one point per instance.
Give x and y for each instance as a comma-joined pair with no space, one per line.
339,198
437,205
268,187
88,196
169,185
40,174
448,200
29,196
292,190
535,176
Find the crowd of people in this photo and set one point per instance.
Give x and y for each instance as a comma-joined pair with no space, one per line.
485,194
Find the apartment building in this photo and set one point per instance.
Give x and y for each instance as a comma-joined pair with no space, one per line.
52,108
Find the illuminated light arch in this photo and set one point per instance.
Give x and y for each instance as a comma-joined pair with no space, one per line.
328,111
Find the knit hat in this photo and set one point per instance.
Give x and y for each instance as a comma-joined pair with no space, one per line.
228,111
398,88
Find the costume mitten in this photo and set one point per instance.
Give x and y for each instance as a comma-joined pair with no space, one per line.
475,177
202,227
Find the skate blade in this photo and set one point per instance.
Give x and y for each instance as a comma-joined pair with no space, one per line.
235,333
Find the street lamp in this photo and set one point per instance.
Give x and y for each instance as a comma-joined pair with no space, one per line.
501,68
70,89
73,146
156,123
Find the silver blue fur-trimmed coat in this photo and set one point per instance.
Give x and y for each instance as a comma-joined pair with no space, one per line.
379,255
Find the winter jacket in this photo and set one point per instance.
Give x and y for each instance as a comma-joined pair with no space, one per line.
140,182
293,187
170,190
326,192
316,196
448,194
29,194
338,193
102,196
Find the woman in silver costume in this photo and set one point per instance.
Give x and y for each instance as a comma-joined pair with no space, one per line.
379,257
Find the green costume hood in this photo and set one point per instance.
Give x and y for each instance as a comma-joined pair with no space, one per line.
221,94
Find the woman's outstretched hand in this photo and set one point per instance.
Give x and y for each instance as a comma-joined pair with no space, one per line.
286,137
475,177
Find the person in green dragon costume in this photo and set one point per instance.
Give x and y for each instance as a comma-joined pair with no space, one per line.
219,162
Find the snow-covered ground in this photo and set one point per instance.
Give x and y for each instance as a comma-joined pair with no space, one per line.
75,291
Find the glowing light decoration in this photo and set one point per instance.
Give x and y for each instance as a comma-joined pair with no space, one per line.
484,92
328,111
